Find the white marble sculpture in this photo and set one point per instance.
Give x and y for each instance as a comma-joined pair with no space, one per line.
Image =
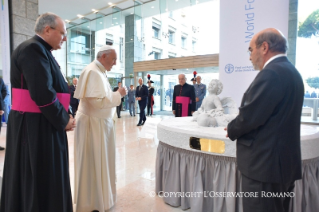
213,111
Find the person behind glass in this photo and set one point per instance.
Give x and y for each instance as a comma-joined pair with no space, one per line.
193,81
119,108
3,95
307,94
150,100
74,102
313,95
131,100
200,91
141,96
183,90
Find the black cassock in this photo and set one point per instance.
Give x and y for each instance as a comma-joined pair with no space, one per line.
36,168
185,90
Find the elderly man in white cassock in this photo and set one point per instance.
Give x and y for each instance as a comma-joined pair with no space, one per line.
94,139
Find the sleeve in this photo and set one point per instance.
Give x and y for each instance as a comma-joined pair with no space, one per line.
174,100
193,98
202,95
136,94
4,91
107,102
36,70
259,102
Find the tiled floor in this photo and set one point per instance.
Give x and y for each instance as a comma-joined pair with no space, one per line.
135,164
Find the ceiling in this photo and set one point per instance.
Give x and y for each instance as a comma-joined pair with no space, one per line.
70,9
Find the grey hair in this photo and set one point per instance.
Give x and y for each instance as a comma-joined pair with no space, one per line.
99,54
46,19
276,41
184,76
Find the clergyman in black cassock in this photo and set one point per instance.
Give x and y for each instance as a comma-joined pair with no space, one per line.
141,96
36,167
183,89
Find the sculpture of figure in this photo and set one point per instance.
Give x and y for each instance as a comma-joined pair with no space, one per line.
213,111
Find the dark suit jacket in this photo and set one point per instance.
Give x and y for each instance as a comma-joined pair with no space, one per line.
267,128
115,89
142,91
188,91
4,93
73,100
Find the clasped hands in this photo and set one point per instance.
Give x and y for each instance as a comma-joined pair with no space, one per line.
71,125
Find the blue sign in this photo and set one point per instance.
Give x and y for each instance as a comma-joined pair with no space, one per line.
229,68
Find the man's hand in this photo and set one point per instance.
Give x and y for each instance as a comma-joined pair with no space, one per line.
174,112
122,91
193,112
1,112
139,98
226,131
71,125
197,99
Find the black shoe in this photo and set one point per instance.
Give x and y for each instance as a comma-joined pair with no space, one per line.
119,117
139,124
134,115
131,114
143,122
2,148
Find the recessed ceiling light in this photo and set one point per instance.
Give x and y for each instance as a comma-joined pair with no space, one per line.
67,21
116,22
132,13
114,18
94,10
88,26
100,22
176,0
152,7
131,38
110,3
80,16
197,2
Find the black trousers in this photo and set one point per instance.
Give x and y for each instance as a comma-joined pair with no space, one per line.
267,197
142,106
74,108
118,110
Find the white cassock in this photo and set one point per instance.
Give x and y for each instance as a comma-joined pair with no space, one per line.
94,141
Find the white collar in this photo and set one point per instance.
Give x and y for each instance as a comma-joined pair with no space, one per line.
274,57
99,64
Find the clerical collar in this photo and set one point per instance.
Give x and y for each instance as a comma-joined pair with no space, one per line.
41,40
101,67
274,57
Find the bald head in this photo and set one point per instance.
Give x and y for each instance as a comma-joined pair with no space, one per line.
274,38
266,44
182,79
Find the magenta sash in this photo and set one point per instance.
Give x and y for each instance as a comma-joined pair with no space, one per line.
21,101
185,102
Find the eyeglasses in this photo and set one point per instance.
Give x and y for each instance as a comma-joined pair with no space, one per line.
62,33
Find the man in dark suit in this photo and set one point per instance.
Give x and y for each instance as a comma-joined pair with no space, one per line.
74,102
141,96
36,168
3,95
119,107
183,90
267,128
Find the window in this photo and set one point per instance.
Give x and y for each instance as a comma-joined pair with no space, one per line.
171,54
193,45
155,32
78,44
171,37
109,39
171,14
157,55
183,42
121,49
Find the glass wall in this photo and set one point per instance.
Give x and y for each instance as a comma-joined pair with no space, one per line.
307,55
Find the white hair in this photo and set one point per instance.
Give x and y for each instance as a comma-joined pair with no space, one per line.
106,49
